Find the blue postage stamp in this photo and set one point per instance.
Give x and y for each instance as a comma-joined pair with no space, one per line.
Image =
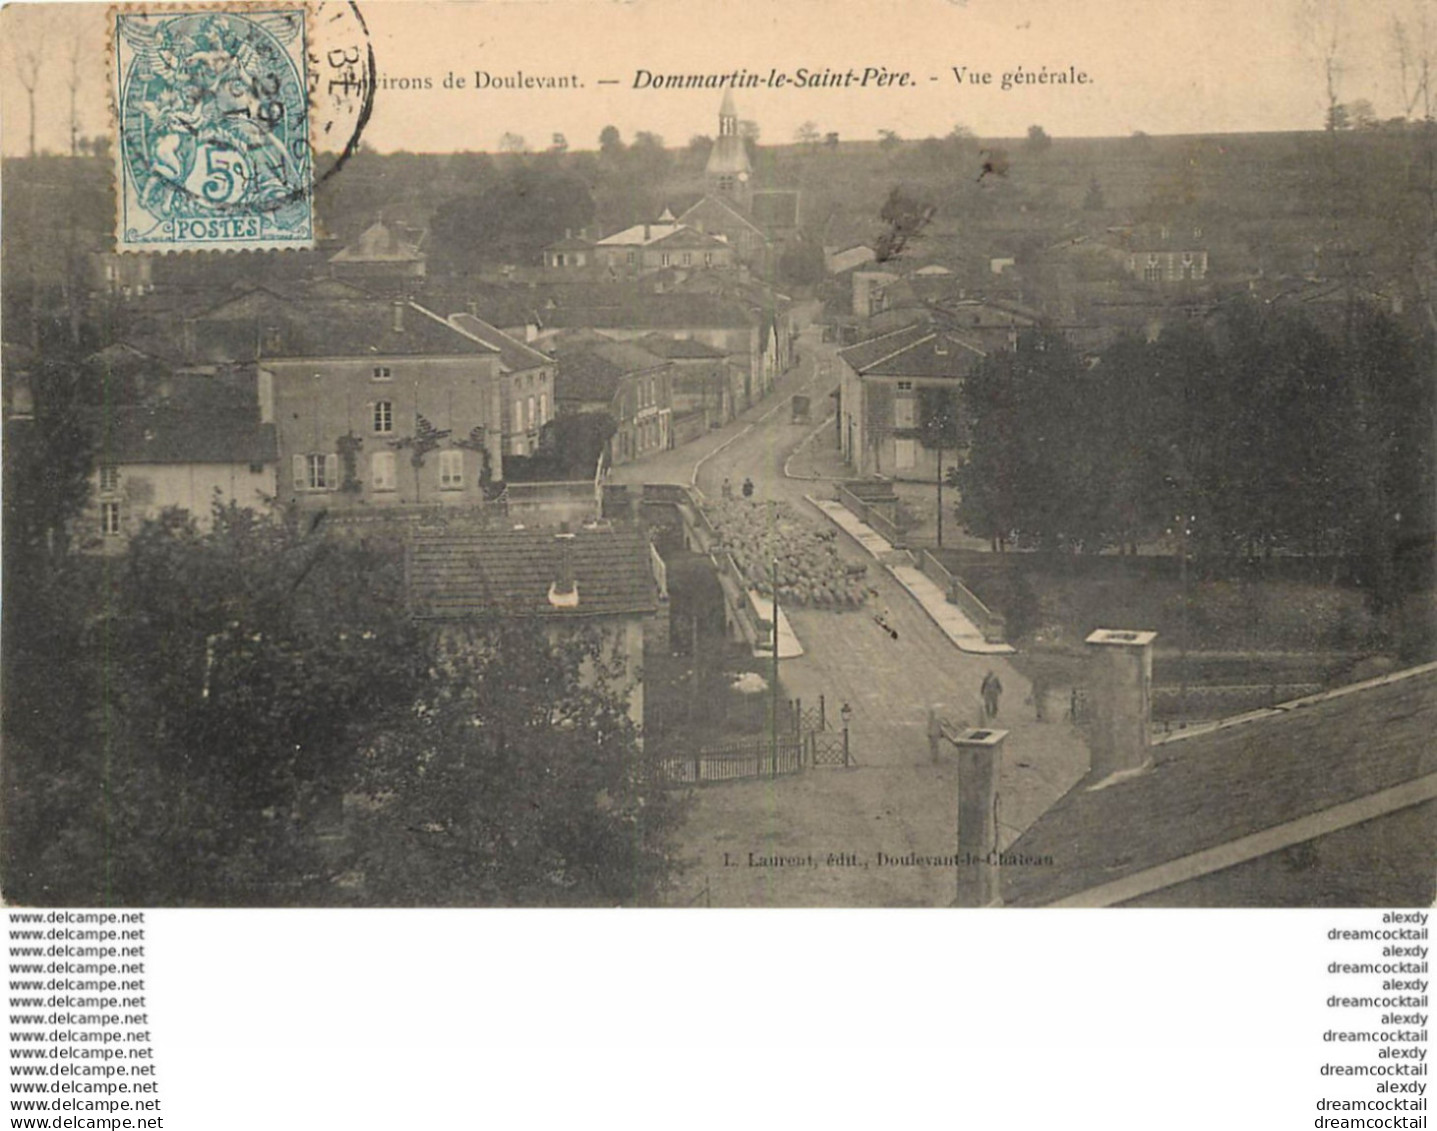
214,146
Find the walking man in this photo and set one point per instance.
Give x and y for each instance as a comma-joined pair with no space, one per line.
747,487
727,487
992,689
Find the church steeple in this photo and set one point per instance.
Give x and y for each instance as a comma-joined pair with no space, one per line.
728,116
728,173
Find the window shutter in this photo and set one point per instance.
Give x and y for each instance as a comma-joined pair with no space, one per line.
331,471
300,480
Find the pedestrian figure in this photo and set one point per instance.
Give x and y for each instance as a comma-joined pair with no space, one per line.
991,689
747,487
1040,693
727,487
881,619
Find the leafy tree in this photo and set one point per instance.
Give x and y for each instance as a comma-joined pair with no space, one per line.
511,219
611,142
48,460
517,781
904,215
1028,460
572,442
888,140
1038,140
801,263
1093,201
204,765
807,133
218,694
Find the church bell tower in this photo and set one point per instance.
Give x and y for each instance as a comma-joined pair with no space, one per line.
729,175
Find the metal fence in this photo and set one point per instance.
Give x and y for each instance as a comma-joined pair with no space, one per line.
734,761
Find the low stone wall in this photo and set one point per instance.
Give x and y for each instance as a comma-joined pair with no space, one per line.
871,514
988,622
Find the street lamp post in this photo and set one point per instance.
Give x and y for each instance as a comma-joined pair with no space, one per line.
846,713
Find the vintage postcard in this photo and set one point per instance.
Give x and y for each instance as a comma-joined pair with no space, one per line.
905,453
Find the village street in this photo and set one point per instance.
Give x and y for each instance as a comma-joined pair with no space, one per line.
896,801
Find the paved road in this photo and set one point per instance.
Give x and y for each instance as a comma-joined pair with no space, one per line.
896,800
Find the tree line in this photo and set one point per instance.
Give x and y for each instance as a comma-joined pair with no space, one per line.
1262,432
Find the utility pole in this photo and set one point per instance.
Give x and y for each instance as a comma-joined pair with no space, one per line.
774,725
940,488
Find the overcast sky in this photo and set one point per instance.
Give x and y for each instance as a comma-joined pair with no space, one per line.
1163,66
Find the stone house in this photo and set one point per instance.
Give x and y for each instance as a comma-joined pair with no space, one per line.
883,397
630,384
602,577
375,403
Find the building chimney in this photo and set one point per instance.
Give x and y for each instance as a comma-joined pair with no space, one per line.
564,589
1120,681
646,233
398,324
531,331
980,753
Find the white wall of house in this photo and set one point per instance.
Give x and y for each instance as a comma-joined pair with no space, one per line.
122,499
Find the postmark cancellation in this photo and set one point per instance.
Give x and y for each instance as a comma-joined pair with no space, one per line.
213,144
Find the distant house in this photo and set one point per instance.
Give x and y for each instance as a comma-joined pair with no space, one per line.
602,577
1162,253
1329,801
702,383
992,324
528,384
882,397
376,403
756,343
191,451
571,251
642,248
627,382
381,257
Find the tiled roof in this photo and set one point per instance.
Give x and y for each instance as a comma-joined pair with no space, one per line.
859,357
939,354
1211,789
569,243
721,205
686,237
653,311
514,355
508,572
676,349
639,235
338,327
593,373
198,430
